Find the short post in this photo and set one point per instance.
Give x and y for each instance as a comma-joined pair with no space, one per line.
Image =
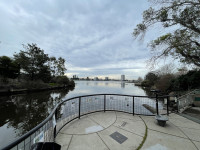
157,104
133,105
104,103
177,102
167,105
79,110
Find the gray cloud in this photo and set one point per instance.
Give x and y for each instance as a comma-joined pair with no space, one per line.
93,36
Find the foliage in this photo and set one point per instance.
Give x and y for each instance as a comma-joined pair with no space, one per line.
9,68
183,43
38,65
57,66
44,74
139,80
164,82
150,79
171,82
188,81
72,83
37,84
61,80
166,69
33,61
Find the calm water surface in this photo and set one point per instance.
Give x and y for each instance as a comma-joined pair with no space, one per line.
20,113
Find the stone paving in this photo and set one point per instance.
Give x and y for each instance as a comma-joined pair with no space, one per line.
122,131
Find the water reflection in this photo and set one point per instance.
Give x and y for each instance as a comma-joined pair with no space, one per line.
101,87
122,85
21,113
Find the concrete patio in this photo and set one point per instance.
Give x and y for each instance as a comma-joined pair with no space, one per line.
122,131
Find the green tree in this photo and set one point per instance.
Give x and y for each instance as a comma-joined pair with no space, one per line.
61,67
33,61
183,43
57,66
9,68
188,81
150,79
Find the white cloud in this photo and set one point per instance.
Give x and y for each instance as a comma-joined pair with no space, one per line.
93,36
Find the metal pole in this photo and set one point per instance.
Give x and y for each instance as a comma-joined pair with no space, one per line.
79,111
157,103
104,103
177,102
167,105
133,105
56,113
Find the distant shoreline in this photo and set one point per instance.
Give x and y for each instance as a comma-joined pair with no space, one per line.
24,91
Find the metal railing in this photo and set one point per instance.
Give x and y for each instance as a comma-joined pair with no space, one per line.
73,108
186,100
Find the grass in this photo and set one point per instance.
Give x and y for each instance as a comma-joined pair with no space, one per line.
53,84
145,136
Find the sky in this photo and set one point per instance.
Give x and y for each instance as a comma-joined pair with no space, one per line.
93,36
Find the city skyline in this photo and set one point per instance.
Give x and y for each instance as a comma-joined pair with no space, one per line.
98,78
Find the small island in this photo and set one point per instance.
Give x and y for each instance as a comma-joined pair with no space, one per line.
32,70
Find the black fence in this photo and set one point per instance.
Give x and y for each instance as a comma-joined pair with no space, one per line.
73,108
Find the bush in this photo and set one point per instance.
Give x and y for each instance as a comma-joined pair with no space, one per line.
62,80
164,81
191,80
39,84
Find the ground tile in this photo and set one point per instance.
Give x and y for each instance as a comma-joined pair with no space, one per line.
132,142
137,127
87,142
103,119
197,144
160,141
63,140
184,122
128,116
169,128
173,116
193,134
79,126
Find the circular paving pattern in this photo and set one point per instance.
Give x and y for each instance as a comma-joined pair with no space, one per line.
103,131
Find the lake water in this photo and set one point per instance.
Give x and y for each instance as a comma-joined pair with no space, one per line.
20,113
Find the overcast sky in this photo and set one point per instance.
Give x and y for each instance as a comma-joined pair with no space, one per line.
94,36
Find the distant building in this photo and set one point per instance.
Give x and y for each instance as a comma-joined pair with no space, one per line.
96,78
106,78
122,77
75,77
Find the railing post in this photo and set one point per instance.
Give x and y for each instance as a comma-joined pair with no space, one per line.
157,104
54,124
104,103
133,105
167,105
177,103
79,110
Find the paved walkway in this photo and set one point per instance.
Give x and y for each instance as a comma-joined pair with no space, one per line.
122,131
